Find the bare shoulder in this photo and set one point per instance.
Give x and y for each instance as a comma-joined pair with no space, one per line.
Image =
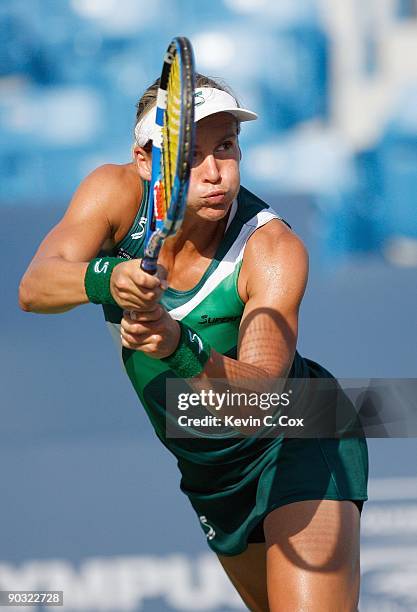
113,174
273,244
109,185
114,190
273,252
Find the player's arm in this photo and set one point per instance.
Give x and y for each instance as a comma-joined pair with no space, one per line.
54,281
274,276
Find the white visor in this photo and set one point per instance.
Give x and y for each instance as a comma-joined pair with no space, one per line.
207,101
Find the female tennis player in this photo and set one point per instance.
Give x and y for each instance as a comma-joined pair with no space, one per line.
281,514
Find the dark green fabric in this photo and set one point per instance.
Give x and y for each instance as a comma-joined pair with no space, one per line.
254,476
233,481
97,280
191,354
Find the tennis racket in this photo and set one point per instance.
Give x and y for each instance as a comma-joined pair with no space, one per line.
172,149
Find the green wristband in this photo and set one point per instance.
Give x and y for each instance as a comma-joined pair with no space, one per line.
97,279
190,356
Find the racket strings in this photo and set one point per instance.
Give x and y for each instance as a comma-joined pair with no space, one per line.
173,149
171,129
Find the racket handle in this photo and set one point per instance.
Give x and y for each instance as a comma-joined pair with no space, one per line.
149,265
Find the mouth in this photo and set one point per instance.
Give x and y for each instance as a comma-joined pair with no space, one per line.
215,197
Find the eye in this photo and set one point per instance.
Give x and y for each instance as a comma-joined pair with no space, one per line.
225,146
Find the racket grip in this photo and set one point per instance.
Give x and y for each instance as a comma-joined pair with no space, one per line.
149,265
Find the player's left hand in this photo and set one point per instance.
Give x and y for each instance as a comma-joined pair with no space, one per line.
155,333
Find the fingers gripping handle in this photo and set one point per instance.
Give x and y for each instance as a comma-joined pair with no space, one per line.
149,265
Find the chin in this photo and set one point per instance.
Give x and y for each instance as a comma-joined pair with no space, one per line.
213,213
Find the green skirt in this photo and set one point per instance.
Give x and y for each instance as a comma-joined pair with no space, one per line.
232,497
289,470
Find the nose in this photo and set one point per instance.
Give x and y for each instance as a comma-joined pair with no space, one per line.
210,169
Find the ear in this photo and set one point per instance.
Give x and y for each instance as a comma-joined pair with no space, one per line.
240,152
143,161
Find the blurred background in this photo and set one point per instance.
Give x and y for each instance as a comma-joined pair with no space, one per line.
90,499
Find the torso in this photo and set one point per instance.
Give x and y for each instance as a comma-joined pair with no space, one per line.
183,272
210,303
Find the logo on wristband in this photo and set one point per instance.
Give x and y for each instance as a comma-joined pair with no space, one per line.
99,270
195,338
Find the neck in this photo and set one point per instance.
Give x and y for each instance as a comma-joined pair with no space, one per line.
196,236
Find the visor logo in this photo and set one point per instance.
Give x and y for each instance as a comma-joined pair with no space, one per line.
198,98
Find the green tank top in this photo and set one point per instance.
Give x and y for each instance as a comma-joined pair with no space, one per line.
214,309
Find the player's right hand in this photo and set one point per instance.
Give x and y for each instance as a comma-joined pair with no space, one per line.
134,289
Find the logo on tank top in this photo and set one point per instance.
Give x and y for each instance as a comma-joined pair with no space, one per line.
210,534
142,225
122,253
207,320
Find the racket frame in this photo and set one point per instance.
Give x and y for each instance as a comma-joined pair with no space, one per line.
159,230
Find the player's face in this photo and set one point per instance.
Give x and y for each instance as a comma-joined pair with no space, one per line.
215,178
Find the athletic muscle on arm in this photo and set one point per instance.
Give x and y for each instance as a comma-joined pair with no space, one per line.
101,211
272,284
